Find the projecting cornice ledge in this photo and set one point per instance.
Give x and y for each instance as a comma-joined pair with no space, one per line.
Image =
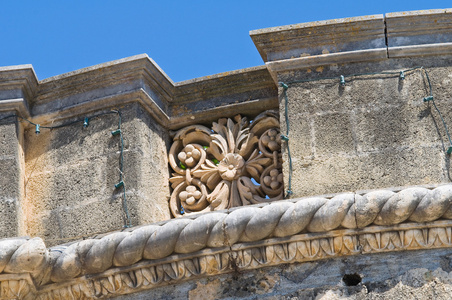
18,85
239,239
135,79
354,40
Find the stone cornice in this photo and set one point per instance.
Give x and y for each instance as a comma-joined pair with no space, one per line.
136,78
18,87
227,241
419,27
321,37
307,62
353,40
249,256
110,101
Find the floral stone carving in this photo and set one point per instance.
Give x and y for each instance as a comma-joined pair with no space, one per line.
237,162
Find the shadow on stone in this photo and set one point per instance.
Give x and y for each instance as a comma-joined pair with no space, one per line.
351,279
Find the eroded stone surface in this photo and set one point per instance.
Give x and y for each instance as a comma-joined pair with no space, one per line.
421,275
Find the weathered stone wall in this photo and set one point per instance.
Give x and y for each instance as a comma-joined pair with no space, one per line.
420,275
71,174
11,184
60,184
376,131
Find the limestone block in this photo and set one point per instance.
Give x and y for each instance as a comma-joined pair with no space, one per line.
11,180
88,218
9,210
333,133
8,137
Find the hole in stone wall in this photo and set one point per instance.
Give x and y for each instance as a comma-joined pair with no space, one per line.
351,279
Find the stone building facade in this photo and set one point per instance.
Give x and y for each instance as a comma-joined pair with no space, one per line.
324,173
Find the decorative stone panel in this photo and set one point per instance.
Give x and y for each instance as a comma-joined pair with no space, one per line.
236,162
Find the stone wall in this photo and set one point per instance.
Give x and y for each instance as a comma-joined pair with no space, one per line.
71,174
375,129
11,186
60,183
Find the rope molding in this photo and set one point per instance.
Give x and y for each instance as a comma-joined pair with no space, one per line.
223,229
173,269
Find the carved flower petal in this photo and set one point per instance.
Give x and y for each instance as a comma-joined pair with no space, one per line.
273,146
274,173
274,185
240,163
189,148
190,162
190,200
254,170
191,189
183,195
196,154
272,132
182,156
229,174
220,195
223,167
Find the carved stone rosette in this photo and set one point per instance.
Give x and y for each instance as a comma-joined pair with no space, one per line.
237,162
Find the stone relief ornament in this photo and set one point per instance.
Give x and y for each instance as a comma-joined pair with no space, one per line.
236,162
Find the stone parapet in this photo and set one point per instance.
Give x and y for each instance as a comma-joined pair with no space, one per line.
352,40
248,91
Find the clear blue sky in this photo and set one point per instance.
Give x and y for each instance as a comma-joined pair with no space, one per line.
187,39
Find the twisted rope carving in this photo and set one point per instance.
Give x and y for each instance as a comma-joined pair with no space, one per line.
250,223
22,255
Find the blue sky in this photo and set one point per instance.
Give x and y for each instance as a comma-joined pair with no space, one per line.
188,39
